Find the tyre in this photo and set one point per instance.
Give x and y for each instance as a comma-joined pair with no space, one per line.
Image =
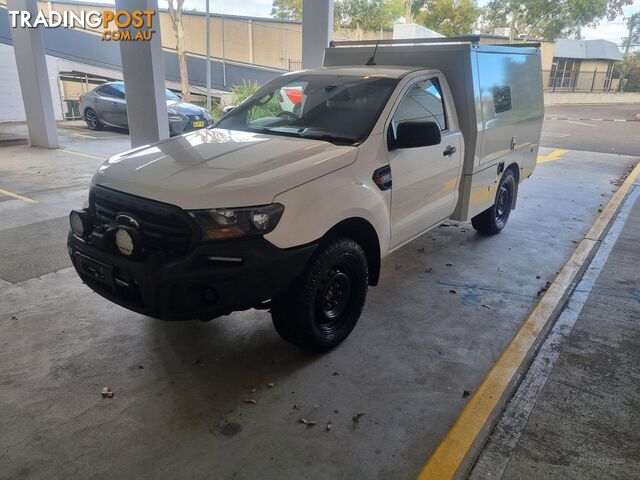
494,218
91,117
324,304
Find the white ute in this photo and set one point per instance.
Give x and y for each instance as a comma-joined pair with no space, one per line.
292,210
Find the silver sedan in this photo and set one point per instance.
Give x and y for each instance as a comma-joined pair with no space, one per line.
106,105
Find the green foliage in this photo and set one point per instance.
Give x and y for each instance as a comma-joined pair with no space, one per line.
215,110
287,9
633,36
367,15
449,17
268,107
550,19
240,92
631,71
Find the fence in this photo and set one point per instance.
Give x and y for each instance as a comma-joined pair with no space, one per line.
579,81
295,64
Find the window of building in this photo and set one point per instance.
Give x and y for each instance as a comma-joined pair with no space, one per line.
607,79
564,72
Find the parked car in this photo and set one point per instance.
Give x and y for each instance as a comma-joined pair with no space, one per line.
290,98
106,105
293,211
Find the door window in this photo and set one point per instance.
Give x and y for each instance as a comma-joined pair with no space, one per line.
422,102
107,91
119,88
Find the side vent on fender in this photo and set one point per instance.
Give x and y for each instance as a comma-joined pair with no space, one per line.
382,177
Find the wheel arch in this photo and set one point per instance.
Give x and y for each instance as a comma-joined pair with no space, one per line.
360,230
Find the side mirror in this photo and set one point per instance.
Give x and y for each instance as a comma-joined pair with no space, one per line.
416,134
227,109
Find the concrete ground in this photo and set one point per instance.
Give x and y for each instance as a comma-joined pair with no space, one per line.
446,306
575,415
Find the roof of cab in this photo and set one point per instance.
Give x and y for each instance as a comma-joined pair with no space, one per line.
380,71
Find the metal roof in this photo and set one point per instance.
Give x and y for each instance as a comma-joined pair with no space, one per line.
389,71
587,49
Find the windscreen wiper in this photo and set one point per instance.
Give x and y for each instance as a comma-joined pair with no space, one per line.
329,138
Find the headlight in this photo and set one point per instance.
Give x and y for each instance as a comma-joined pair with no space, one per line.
207,116
225,223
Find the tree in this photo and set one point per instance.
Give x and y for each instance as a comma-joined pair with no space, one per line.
630,78
550,19
287,9
631,73
365,15
449,17
633,38
408,11
175,14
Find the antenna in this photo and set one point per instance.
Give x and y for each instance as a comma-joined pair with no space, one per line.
372,60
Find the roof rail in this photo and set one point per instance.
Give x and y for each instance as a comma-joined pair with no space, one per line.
471,39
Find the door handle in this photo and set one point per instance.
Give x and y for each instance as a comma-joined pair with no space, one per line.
449,151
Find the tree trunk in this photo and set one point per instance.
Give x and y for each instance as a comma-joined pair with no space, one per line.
408,15
512,27
182,58
175,14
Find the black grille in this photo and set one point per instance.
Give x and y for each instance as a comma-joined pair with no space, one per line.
164,228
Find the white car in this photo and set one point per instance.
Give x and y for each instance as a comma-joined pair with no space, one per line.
290,98
293,212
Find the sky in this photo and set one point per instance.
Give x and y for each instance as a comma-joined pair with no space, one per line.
613,31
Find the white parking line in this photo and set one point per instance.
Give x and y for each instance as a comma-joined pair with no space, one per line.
553,134
580,123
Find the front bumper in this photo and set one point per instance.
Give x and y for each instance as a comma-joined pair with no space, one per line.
177,127
203,284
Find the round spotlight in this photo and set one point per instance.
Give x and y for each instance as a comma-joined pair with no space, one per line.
124,242
77,220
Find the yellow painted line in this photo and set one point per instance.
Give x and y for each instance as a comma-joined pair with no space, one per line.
97,137
17,196
550,157
82,154
453,457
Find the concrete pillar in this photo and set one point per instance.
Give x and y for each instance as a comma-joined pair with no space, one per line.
34,79
143,73
317,29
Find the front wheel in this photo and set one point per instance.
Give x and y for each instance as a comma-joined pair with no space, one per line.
493,219
93,122
324,304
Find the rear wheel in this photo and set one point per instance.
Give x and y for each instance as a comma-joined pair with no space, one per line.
324,304
91,117
493,219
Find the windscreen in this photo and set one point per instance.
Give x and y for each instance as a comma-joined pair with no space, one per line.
337,108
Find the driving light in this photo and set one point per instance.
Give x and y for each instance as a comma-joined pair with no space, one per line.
127,241
79,222
226,223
